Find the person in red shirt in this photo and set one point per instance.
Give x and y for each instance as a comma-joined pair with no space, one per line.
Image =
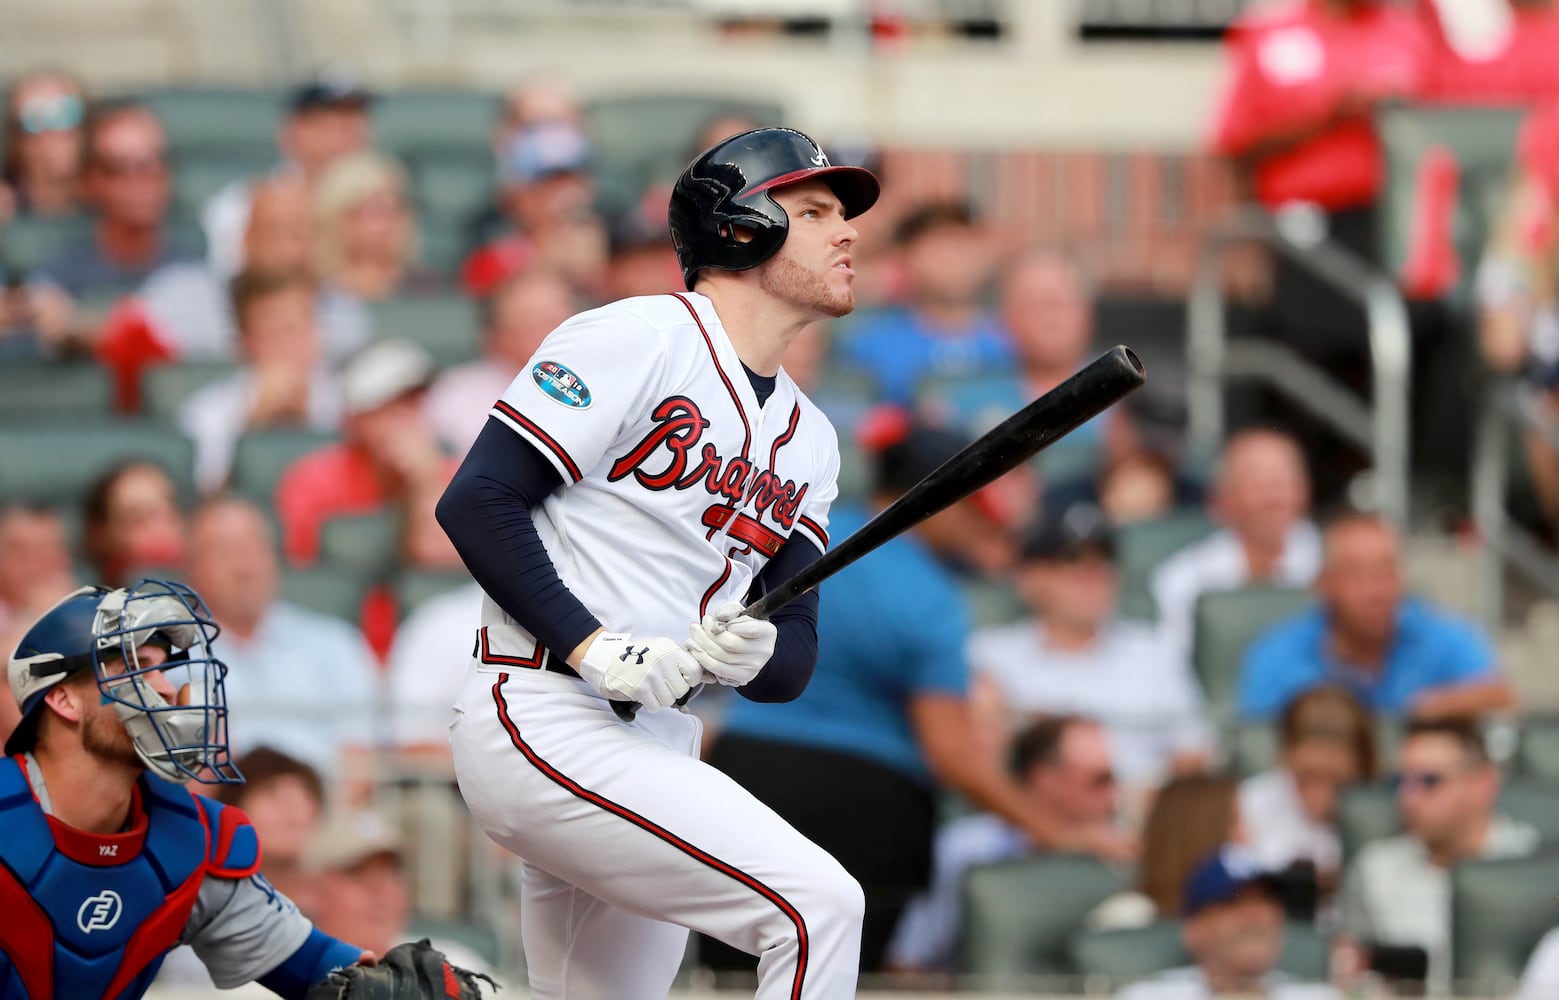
1500,60
388,456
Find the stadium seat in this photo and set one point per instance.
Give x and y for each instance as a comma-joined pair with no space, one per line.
165,388
330,590
231,120
1135,952
446,326
413,586
452,188
992,603
260,458
412,122
1224,624
51,391
1253,748
57,463
199,174
441,247
367,544
1141,547
651,136
1500,909
1020,915
30,244
1537,755
854,470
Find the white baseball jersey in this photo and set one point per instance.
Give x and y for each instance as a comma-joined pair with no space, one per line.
679,487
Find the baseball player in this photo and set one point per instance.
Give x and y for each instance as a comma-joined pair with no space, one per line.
650,469
107,862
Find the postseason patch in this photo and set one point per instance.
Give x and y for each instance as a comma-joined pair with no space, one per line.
561,384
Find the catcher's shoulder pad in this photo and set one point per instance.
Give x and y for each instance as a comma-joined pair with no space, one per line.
235,846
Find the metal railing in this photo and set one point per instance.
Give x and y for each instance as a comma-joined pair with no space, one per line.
1508,404
1382,431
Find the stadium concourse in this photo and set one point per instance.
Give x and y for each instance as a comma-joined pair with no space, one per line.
1260,661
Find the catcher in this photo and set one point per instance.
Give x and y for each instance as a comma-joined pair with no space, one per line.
107,863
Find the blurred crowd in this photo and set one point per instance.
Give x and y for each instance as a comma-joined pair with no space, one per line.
1206,677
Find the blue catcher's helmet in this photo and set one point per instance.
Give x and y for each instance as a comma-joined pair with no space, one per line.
99,629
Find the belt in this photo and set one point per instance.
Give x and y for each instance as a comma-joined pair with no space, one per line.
541,657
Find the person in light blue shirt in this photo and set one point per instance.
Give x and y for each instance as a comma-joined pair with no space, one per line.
942,330
856,762
1399,655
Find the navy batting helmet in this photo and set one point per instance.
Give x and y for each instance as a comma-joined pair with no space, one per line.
728,187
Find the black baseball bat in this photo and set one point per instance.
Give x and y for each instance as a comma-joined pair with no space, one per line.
1094,389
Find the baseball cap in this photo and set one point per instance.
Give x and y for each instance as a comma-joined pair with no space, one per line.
543,151
332,88
1069,532
906,448
351,838
1223,875
385,371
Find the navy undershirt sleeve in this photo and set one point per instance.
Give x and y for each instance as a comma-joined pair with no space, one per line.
486,511
786,674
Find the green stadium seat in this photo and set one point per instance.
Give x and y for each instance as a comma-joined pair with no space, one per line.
412,586
411,122
260,458
57,463
197,175
1500,909
992,603
1224,624
854,470
441,246
1142,547
651,136
447,326
1134,953
367,544
1020,915
30,244
330,590
1253,748
165,388
52,391
452,188
232,120
1537,755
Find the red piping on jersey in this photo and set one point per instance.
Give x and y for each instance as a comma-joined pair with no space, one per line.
790,432
26,935
498,659
623,812
542,436
815,528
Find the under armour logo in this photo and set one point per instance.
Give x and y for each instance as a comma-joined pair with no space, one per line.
630,651
820,160
99,912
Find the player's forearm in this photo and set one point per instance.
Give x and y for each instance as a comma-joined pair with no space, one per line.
1466,700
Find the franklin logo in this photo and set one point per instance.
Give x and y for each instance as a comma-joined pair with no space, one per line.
99,912
561,384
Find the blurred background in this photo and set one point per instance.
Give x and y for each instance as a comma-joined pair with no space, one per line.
1282,623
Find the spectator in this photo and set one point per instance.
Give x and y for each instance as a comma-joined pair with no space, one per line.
283,382
1063,764
1540,978
1190,817
540,103
886,719
388,459
1399,655
1397,891
642,260
1498,53
359,864
129,185
42,139
718,129
942,330
367,234
34,573
1260,497
1075,655
131,521
1234,928
547,197
274,648
515,318
1290,811
426,668
327,119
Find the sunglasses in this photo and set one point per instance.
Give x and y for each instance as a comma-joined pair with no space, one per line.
58,113
1420,781
131,166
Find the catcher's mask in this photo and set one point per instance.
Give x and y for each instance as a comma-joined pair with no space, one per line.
103,630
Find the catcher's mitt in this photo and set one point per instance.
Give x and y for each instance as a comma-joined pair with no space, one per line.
412,971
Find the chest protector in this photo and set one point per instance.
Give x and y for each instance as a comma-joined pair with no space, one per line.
90,917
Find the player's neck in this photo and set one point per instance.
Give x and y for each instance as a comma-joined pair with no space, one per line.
760,325
88,794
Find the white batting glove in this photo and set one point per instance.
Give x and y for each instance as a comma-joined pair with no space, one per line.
731,647
653,672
